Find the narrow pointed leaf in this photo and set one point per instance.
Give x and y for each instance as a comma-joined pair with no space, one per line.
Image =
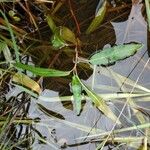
98,18
42,71
109,56
51,23
77,90
100,103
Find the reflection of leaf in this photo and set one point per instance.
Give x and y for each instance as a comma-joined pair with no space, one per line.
42,71
77,90
98,18
24,80
49,113
100,103
111,55
133,29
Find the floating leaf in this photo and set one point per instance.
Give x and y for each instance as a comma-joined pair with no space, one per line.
99,102
147,3
77,90
25,81
42,71
98,18
109,56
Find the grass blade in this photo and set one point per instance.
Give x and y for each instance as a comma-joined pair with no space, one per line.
42,71
98,18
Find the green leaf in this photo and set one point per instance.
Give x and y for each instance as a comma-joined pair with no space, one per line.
61,36
98,18
57,41
109,56
42,71
99,102
147,3
77,90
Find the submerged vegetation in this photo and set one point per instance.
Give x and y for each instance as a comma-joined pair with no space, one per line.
56,45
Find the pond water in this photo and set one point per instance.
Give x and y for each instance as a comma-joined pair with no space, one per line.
61,126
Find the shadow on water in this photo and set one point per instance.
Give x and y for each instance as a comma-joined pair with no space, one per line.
54,123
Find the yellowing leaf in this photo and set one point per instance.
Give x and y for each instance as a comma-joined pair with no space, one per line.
25,81
100,103
67,34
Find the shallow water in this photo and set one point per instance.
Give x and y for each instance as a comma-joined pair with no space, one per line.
65,132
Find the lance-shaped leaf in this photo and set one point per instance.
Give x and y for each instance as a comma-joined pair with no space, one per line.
100,103
101,10
109,56
42,71
147,3
77,90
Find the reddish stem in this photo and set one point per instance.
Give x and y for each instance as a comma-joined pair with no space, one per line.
74,17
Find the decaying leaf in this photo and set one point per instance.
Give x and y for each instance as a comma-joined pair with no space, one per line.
25,81
109,56
100,103
77,90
